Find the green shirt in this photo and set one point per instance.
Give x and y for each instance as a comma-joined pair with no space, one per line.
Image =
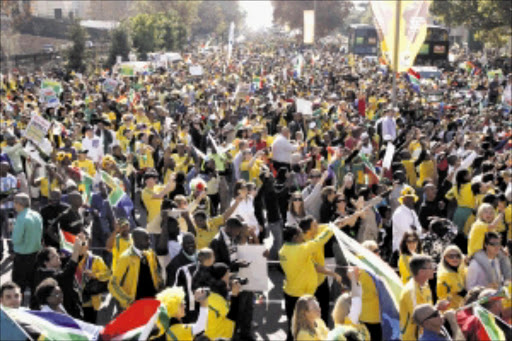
27,233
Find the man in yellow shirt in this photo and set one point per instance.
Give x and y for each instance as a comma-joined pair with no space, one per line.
183,161
86,165
415,292
119,241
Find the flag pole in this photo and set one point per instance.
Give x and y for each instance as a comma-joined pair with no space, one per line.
398,10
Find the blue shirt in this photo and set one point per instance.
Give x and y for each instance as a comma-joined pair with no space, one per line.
27,232
432,336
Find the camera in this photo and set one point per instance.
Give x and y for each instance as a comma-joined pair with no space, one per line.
241,280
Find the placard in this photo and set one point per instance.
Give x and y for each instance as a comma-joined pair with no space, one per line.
109,85
256,272
37,129
304,106
195,70
49,98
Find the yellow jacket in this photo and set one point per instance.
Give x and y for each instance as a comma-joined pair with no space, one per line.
449,283
477,236
411,296
370,311
298,265
403,268
120,245
123,284
219,326
321,332
100,271
319,256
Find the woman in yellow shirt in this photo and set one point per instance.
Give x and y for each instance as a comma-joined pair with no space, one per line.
306,321
250,166
486,222
451,277
409,246
463,193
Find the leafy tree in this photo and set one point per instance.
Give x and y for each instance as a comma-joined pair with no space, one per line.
119,45
144,34
490,19
186,11
216,16
329,14
76,54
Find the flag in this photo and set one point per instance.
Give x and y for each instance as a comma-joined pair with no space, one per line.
370,170
256,83
67,240
387,284
413,29
231,39
56,326
490,330
85,184
11,330
298,64
414,79
136,322
117,196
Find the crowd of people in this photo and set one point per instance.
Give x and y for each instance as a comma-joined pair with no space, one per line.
205,166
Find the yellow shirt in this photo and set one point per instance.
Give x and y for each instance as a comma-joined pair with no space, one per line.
477,236
254,172
204,237
100,271
181,162
449,283
219,326
297,262
319,256
179,331
145,157
411,296
45,188
426,170
508,220
465,197
403,268
152,205
321,332
370,311
120,245
86,166
410,171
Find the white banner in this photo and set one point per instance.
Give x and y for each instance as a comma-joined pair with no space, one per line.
388,157
304,106
231,39
309,27
196,70
256,272
37,129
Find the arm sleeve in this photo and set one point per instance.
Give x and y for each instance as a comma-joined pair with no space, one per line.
18,232
114,285
233,308
319,241
200,324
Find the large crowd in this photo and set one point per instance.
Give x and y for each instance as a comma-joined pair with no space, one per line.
206,163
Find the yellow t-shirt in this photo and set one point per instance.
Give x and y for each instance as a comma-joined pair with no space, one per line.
152,205
403,268
45,188
464,197
181,162
321,332
179,331
449,283
410,171
204,237
254,171
412,295
370,311
426,170
219,326
477,236
298,265
86,166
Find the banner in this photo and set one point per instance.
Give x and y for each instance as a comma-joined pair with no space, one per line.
304,106
309,27
412,33
231,39
195,70
256,272
37,129
109,85
51,84
49,97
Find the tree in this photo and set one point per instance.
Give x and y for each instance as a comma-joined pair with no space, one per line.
491,20
216,16
119,45
144,34
329,14
76,54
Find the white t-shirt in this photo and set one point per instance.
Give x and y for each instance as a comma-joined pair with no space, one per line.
94,147
403,219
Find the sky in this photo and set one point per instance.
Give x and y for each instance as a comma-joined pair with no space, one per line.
259,13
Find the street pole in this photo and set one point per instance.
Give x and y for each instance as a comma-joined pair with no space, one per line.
398,10
314,22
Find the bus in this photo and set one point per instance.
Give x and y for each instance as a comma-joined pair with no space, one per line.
363,40
435,48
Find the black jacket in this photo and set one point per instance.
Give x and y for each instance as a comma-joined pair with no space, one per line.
67,282
176,263
221,251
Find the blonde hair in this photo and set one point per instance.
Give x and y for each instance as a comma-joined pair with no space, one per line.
370,245
450,248
482,208
204,254
299,319
171,298
341,308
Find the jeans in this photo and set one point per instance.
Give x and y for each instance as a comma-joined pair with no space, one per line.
322,295
277,233
289,304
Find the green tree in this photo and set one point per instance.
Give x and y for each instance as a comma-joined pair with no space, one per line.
143,29
119,45
216,16
76,53
329,14
491,20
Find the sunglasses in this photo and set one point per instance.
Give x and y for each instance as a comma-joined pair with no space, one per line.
297,199
339,201
410,241
494,243
315,176
454,256
431,316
